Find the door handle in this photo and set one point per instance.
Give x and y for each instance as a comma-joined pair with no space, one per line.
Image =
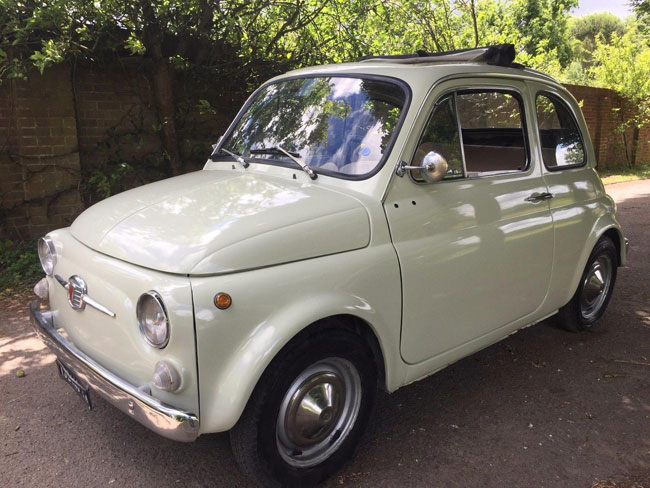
538,197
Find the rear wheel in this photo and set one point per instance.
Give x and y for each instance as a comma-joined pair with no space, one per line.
308,412
594,291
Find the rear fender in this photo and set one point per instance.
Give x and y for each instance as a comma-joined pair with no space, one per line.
606,224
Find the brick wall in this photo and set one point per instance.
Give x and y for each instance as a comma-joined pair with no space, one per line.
602,121
39,155
54,125
114,105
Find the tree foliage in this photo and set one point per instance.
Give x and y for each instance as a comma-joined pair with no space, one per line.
238,36
584,32
624,65
641,7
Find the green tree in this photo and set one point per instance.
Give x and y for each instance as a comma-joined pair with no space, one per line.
642,12
624,66
641,7
543,25
588,27
583,32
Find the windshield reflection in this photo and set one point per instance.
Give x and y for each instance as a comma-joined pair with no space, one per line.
335,124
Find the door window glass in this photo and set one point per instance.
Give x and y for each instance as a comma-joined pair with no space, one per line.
441,135
558,133
493,133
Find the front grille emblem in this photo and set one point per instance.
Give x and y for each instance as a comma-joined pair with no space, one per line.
78,295
76,292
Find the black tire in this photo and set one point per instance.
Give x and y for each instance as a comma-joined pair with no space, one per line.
573,316
255,439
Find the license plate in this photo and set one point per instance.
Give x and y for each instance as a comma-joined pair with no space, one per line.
73,381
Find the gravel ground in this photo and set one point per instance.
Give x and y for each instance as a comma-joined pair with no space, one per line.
543,408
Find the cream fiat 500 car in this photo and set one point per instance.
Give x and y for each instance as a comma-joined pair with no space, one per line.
358,225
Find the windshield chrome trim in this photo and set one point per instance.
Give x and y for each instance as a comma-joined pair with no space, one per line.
335,174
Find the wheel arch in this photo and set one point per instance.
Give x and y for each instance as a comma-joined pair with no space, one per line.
341,321
344,321
606,226
338,321
616,236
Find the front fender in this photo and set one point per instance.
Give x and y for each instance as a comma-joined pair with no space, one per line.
271,305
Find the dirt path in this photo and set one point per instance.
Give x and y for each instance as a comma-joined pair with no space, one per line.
542,409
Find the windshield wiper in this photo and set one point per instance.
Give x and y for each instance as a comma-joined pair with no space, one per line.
235,156
295,157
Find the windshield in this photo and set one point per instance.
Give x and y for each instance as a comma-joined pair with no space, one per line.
342,125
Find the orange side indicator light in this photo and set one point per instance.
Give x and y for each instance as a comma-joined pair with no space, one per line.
222,300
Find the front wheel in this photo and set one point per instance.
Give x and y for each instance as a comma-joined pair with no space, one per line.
308,412
595,289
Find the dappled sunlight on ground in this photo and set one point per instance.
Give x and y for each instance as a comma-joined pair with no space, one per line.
20,348
22,353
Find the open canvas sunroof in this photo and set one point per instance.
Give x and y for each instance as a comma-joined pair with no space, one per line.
498,55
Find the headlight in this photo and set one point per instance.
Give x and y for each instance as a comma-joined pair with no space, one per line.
47,255
152,319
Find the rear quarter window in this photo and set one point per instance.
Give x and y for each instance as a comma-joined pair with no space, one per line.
560,137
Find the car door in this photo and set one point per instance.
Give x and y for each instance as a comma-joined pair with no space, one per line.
568,170
476,248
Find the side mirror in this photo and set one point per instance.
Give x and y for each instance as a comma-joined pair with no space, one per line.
433,167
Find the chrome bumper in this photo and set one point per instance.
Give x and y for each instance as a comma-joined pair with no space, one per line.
149,411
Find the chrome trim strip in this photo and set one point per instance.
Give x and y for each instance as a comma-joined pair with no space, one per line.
86,299
166,421
61,281
460,132
97,306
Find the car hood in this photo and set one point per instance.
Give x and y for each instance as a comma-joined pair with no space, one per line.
213,221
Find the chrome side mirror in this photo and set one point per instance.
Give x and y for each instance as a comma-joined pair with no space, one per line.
433,167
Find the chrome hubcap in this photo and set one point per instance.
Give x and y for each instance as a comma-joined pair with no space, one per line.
596,286
318,411
314,409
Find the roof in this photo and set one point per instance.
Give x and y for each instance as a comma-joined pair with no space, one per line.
497,55
415,72
422,67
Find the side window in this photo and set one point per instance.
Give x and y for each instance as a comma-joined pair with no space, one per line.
492,132
559,134
441,135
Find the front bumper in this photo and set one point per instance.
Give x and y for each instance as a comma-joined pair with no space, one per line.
149,411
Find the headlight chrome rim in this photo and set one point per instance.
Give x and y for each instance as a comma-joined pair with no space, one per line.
152,294
46,245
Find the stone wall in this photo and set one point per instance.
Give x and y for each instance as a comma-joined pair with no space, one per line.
85,118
